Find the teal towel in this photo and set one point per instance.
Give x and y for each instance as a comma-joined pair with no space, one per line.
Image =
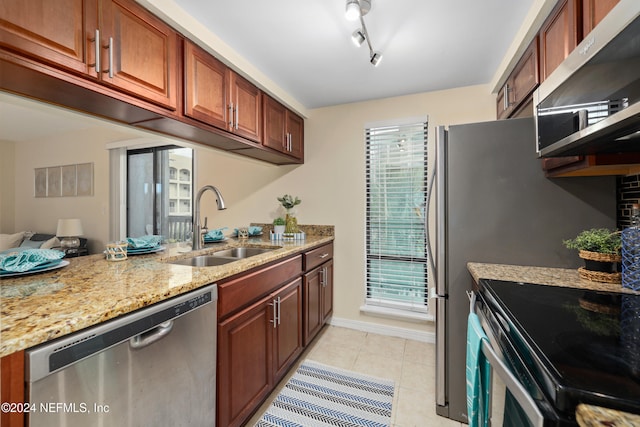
215,234
478,374
28,259
143,242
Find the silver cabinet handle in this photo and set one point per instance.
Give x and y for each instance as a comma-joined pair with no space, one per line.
275,314
323,256
231,116
513,385
97,51
278,302
236,114
147,338
505,100
110,48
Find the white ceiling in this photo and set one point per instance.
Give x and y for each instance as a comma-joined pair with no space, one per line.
305,46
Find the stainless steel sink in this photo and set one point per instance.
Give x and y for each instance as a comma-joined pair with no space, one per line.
242,252
222,257
204,261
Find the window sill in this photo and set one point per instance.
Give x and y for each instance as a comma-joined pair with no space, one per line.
393,313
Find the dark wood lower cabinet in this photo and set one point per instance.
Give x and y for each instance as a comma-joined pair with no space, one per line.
318,299
12,388
256,347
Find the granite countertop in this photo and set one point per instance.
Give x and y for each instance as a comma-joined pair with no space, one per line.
586,415
40,307
565,277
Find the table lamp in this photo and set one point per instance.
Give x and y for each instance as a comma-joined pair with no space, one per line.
69,230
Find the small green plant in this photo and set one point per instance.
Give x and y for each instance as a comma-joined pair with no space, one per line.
600,240
279,221
288,201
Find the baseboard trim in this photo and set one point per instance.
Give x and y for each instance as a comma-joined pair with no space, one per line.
393,331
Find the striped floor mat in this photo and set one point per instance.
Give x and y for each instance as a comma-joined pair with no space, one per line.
320,395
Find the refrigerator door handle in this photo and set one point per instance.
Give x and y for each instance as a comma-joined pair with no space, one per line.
441,361
441,217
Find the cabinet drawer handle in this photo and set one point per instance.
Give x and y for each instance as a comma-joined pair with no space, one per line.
323,256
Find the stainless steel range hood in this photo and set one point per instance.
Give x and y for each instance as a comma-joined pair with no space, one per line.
591,103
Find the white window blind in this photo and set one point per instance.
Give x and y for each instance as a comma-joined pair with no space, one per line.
396,176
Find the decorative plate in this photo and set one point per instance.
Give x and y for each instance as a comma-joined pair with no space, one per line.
48,266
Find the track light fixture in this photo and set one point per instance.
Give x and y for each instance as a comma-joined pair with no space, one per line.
357,37
357,9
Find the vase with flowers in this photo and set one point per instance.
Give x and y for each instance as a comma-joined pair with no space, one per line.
288,203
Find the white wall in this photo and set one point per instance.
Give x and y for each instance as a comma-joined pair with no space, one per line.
7,189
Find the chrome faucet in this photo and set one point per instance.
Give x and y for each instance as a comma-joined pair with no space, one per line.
197,238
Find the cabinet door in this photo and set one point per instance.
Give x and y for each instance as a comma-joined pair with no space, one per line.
12,388
327,290
244,362
205,83
295,133
525,75
139,52
247,108
312,304
593,11
61,32
287,343
275,117
559,35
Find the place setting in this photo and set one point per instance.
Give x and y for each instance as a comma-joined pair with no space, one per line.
30,261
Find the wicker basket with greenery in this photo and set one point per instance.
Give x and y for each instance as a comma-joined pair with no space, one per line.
600,250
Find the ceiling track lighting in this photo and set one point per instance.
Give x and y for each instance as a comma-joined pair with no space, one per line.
357,9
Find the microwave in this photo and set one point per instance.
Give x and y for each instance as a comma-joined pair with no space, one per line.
591,103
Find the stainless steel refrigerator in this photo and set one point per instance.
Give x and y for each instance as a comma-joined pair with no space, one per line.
495,205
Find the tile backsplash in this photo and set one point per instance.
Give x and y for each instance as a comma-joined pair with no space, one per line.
628,194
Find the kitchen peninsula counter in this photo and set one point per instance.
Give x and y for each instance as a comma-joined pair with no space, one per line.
41,307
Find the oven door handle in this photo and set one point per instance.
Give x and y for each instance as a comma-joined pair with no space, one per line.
527,404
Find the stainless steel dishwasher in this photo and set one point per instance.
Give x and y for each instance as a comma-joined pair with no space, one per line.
152,367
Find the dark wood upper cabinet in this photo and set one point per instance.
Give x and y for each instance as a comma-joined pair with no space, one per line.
283,129
523,80
139,52
115,59
127,47
206,87
61,33
559,35
245,108
593,11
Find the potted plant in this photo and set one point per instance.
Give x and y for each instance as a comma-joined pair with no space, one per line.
279,225
288,202
600,250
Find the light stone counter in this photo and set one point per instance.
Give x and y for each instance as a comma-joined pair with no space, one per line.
563,277
586,415
40,307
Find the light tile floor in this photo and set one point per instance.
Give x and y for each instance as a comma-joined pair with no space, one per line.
411,364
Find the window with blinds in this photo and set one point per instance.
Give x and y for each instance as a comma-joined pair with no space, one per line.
396,177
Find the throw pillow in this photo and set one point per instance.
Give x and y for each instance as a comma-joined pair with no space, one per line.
10,240
30,244
51,243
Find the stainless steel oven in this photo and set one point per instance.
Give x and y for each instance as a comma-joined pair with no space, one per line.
516,399
552,348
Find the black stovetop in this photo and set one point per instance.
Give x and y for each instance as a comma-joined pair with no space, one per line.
583,346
